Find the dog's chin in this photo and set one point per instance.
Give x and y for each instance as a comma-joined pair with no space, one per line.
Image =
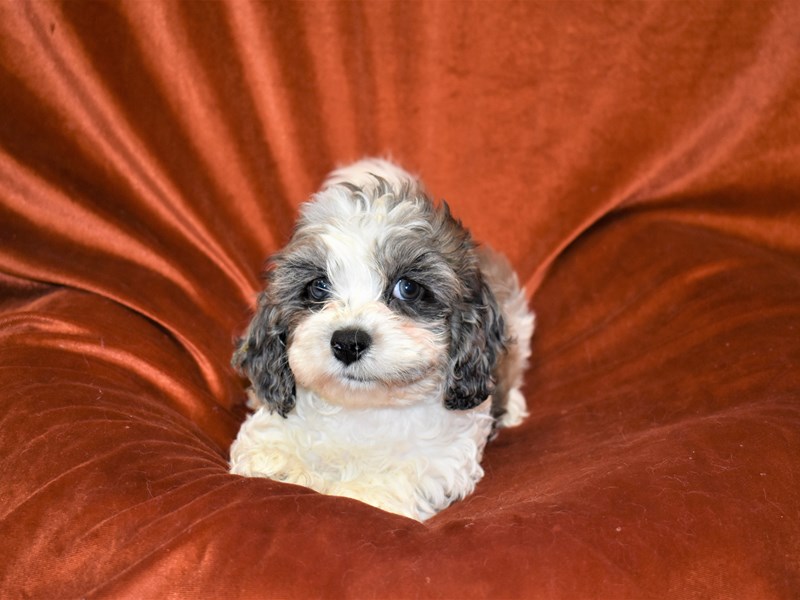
357,391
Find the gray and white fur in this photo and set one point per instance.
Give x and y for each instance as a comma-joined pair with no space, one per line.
384,351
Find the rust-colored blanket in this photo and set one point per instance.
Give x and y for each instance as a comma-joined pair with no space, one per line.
638,162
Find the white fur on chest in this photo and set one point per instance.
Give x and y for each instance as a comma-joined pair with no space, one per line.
412,460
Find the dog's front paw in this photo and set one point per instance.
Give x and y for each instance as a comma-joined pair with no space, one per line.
278,467
389,496
266,456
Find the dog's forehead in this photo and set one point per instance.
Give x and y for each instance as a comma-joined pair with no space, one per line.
347,207
349,221
364,239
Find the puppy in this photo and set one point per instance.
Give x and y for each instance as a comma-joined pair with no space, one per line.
385,350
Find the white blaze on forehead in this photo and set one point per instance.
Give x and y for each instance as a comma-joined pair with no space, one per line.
351,267
352,228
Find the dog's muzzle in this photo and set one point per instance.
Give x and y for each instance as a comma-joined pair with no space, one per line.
348,345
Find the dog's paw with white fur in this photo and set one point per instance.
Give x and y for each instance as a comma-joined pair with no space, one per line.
385,350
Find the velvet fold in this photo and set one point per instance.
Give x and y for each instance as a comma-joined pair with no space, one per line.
637,162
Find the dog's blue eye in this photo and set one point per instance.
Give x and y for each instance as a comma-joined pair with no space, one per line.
319,289
407,290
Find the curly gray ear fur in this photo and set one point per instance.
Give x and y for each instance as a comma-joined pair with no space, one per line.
261,356
477,340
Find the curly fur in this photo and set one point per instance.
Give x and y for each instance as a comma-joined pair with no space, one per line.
402,426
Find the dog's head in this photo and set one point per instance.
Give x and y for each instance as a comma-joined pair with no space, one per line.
377,300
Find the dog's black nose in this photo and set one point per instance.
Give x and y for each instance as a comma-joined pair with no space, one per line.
349,345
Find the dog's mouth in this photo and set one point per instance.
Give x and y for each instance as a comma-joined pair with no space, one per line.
363,387
394,379
359,378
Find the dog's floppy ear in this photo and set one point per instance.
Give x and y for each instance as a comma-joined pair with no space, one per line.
477,339
261,356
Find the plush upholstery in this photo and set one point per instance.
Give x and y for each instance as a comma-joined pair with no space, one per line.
638,162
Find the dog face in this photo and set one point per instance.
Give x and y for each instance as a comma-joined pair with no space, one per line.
377,300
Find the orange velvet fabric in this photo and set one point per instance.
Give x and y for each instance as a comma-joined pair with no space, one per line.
638,162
